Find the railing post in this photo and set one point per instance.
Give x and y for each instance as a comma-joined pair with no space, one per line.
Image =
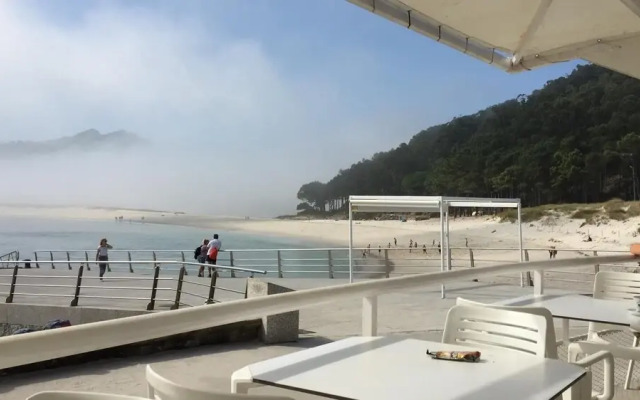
176,303
596,267
154,288
69,260
12,290
279,264
449,260
76,295
212,288
233,273
528,273
183,261
370,316
330,261
387,264
472,263
51,254
35,257
86,258
130,265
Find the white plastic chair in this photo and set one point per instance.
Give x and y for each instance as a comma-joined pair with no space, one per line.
540,321
62,395
618,286
160,388
492,327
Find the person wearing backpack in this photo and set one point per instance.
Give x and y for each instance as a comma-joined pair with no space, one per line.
200,254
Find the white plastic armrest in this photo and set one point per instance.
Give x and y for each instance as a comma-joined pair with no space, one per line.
597,355
617,351
242,381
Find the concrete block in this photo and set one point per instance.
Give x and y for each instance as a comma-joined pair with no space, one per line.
279,328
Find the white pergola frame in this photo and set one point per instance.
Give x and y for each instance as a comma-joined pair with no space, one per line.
427,204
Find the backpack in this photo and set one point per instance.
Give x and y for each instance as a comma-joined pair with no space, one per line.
196,252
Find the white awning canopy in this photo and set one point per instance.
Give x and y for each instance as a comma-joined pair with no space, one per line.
518,35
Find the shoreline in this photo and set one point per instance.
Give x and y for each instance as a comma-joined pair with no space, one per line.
476,232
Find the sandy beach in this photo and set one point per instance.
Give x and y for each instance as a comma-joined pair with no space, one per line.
477,232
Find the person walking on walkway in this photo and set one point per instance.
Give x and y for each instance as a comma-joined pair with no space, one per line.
212,253
103,255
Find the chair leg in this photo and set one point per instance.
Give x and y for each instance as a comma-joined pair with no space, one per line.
627,381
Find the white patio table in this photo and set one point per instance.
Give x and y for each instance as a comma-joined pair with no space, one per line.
372,368
578,307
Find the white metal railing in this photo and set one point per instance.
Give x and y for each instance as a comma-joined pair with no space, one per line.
75,292
10,256
44,345
333,262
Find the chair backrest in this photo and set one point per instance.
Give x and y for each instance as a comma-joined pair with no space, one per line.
493,327
618,286
552,348
611,285
160,388
61,395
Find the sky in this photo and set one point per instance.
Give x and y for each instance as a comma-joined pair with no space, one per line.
242,101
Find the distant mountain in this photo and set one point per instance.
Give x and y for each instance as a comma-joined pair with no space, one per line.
89,140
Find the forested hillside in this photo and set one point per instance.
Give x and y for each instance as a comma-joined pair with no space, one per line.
575,140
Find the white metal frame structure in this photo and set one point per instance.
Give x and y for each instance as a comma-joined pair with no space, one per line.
428,204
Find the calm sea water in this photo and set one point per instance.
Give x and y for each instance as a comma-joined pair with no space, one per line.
28,234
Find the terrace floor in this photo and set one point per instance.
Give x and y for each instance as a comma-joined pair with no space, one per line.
415,313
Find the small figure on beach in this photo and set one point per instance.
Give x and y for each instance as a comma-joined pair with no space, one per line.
389,245
433,243
424,249
395,242
364,254
439,249
212,252
415,244
553,252
379,249
466,242
103,255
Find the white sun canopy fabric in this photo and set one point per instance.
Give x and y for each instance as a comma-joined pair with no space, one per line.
518,35
428,204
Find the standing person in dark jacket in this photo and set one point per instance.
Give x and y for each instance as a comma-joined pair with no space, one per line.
201,256
103,255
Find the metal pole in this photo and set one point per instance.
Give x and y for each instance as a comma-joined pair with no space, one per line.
212,288
520,241
76,295
154,288
12,290
176,303
131,265
233,273
350,244
441,245
86,258
446,218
